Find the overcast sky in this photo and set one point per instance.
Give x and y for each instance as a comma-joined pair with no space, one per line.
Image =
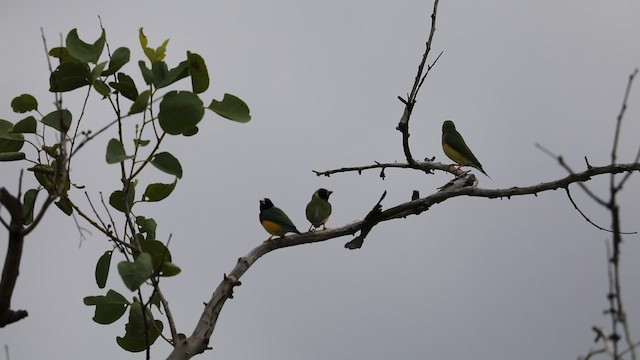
523,278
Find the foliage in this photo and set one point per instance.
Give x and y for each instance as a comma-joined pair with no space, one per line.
83,66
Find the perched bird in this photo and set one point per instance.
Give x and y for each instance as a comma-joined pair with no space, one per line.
319,208
274,220
456,149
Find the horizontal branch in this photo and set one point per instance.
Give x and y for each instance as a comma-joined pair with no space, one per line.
198,342
426,166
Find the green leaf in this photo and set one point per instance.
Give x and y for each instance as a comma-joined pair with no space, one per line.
120,202
166,162
69,76
147,226
102,269
109,308
232,108
198,72
190,131
97,71
135,273
147,74
112,297
157,192
141,103
180,111
28,204
44,174
24,103
115,152
159,253
125,86
63,55
169,269
159,69
65,205
9,142
52,151
83,51
11,156
102,88
138,343
140,142
57,118
155,300
26,125
179,72
118,59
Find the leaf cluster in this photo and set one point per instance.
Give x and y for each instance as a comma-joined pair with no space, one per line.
150,111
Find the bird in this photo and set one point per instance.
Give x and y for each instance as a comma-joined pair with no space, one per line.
274,220
456,149
319,209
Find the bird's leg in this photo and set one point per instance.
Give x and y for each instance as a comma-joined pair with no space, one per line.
311,228
456,169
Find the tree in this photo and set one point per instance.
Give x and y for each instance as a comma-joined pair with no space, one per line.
377,215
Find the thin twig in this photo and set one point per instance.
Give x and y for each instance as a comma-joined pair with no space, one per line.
564,165
617,131
589,220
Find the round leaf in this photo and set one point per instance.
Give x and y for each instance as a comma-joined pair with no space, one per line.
115,152
232,108
9,142
26,125
180,111
118,59
58,119
166,162
157,192
24,103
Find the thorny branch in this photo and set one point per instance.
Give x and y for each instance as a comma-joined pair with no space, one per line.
198,342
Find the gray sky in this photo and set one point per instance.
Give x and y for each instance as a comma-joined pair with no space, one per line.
490,279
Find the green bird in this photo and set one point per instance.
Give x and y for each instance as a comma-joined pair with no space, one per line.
319,209
456,149
274,220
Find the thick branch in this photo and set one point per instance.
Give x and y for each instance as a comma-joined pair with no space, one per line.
198,342
12,261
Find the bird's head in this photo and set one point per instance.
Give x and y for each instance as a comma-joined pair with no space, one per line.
265,204
448,126
323,193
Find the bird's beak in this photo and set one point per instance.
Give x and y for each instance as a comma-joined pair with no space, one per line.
261,202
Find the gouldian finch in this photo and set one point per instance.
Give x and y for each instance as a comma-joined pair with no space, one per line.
274,220
319,209
456,149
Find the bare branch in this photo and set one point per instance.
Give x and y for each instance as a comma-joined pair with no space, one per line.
403,125
369,222
564,165
587,219
426,166
617,131
198,342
